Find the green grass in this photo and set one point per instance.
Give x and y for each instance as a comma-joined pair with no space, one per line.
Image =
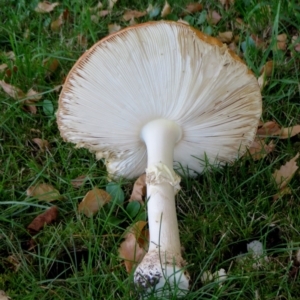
219,212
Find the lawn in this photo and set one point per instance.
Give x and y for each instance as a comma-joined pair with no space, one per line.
220,212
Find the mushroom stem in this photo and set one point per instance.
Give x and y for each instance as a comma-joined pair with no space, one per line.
160,137
162,266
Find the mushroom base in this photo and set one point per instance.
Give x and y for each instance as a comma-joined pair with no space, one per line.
162,276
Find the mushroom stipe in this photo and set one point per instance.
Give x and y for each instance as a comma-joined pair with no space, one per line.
159,96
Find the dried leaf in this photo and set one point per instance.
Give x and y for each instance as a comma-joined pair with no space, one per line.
135,245
139,189
3,296
259,149
45,7
97,7
286,172
56,24
288,132
113,28
269,128
49,216
129,14
43,192
225,37
192,8
79,181
103,13
267,69
111,4
93,201
284,191
166,10
213,17
281,41
43,144
11,90
50,64
10,55
33,95
82,41
133,22
30,106
3,67
15,263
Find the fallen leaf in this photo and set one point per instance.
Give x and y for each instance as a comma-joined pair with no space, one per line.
284,191
267,69
111,4
183,21
288,132
33,95
79,181
286,172
45,7
135,245
225,37
10,55
213,17
267,129
259,149
166,10
30,106
11,90
103,13
93,201
10,71
15,263
192,8
3,67
3,296
50,64
129,14
259,43
43,144
56,24
43,192
281,41
133,22
46,218
113,28
139,189
82,41
97,7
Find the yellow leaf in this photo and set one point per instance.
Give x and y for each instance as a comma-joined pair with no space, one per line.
166,10
286,172
45,7
93,201
43,192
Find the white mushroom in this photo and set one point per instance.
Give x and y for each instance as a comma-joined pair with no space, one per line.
160,95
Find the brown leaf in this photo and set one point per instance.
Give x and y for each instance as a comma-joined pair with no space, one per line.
269,128
103,13
166,10
225,37
113,28
56,24
192,8
15,263
79,181
281,41
45,7
43,144
284,191
213,17
139,189
93,201
129,14
267,69
82,41
50,64
11,90
3,67
135,245
33,95
3,296
259,149
286,172
288,132
10,71
30,106
49,216
43,192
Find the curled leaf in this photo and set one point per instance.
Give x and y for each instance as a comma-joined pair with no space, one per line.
49,216
93,201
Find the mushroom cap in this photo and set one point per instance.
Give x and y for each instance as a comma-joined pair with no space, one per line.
160,70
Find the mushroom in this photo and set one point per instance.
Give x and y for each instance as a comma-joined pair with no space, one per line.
160,96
